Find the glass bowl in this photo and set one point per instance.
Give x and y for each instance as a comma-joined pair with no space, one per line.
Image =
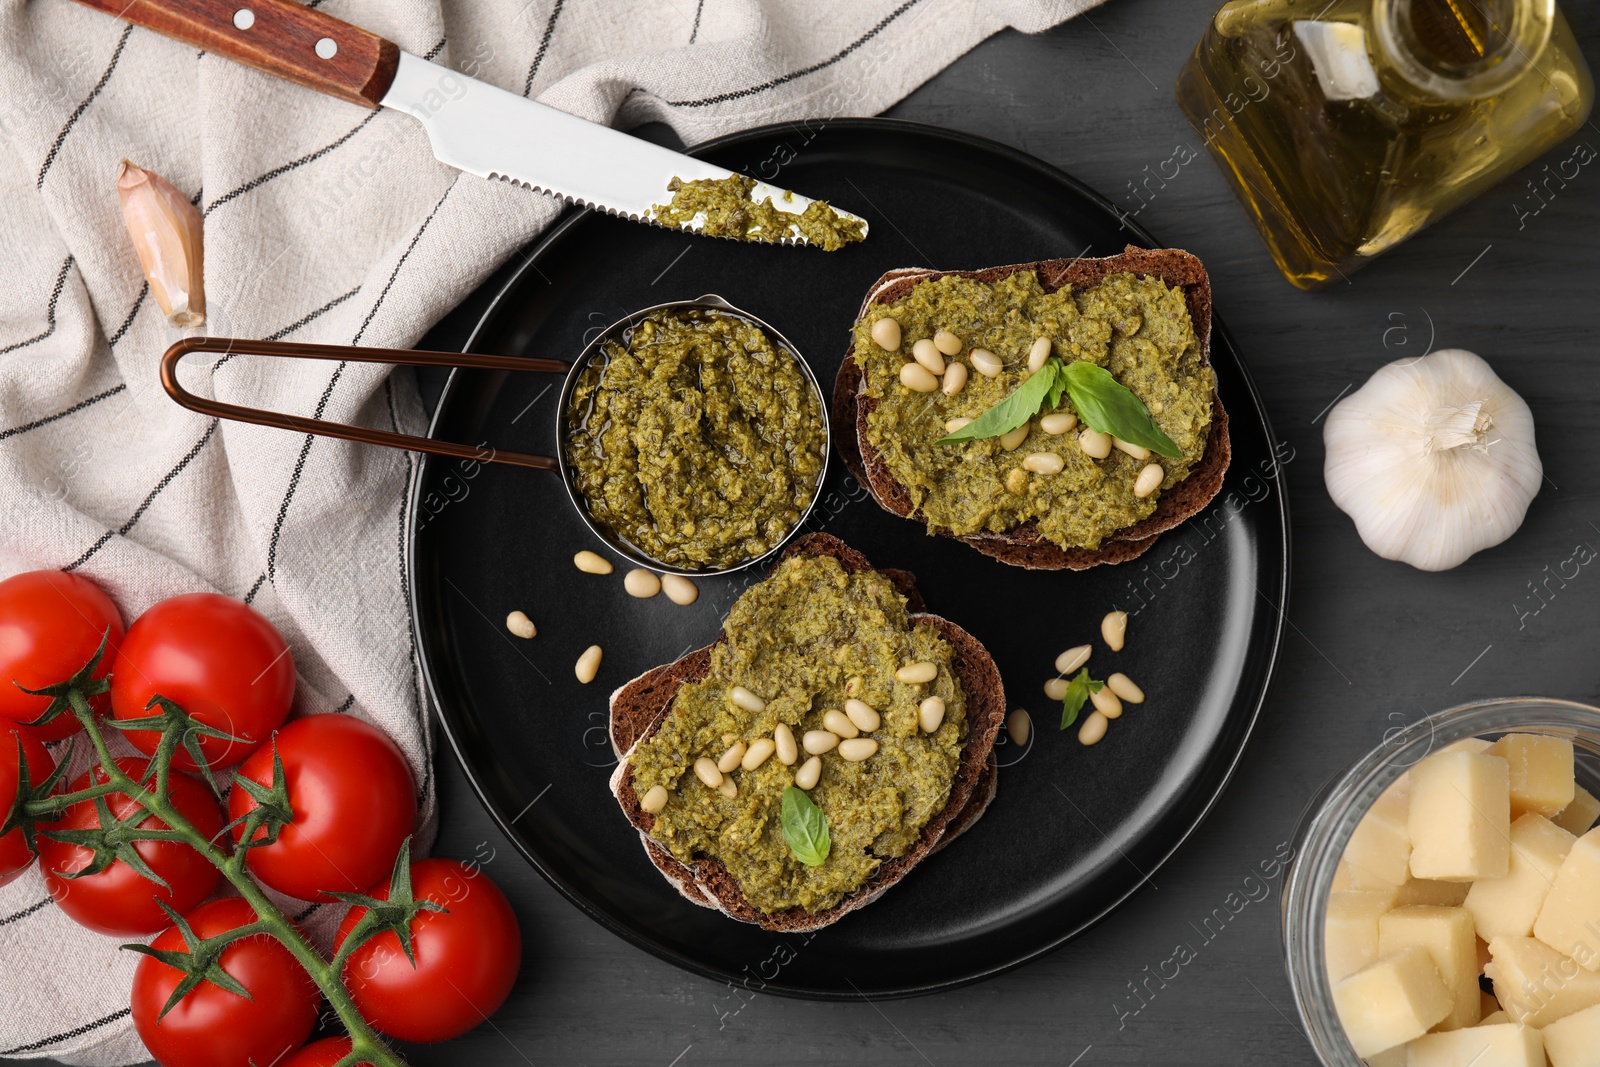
1332,815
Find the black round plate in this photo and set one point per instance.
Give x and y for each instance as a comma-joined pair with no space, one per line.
1074,830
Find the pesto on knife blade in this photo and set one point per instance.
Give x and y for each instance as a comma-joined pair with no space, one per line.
729,212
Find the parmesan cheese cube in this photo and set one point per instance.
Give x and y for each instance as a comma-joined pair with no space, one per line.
1575,1040
1460,819
1508,906
1501,1045
1537,985
1391,1001
1379,852
1541,772
1579,816
1446,934
1350,933
1569,921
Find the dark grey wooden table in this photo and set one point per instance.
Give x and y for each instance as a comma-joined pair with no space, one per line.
1370,644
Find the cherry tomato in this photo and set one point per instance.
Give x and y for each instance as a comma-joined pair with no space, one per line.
119,900
16,742
324,1053
353,800
212,1027
50,625
216,657
467,957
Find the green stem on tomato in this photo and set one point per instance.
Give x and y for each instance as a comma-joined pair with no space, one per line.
365,1041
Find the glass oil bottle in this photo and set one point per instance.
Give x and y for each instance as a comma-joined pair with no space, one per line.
1346,126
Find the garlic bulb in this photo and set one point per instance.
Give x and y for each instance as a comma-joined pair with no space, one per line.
165,229
1433,458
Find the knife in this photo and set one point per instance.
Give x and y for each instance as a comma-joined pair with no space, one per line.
472,125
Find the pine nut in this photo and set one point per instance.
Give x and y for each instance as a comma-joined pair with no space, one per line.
591,562
985,362
1093,729
707,772
757,753
838,722
856,749
1106,703
809,773
1019,727
1149,480
926,353
654,800
1011,441
588,664
728,788
863,715
816,742
1114,630
930,714
1125,688
886,333
731,758
1056,689
1136,451
947,342
680,590
783,739
956,424
1059,422
1016,481
914,673
519,623
1073,658
641,583
1044,463
917,378
1038,353
955,378
742,697
1095,445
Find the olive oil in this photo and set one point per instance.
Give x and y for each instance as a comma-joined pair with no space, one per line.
1347,126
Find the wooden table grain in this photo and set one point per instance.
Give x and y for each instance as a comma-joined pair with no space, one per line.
1370,644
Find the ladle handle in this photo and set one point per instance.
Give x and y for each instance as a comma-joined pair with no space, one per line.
363,434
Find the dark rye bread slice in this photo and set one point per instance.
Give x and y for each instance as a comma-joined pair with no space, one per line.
639,707
1023,546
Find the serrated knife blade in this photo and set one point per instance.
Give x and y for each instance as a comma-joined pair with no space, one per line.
484,130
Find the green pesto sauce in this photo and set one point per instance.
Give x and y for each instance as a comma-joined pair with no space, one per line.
698,441
729,212
1137,328
803,640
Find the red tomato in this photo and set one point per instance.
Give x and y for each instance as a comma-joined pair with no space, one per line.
324,1053
216,657
467,957
212,1027
353,801
16,742
50,625
119,900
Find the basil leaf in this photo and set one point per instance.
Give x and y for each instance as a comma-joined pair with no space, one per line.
1106,405
1023,404
1078,691
804,828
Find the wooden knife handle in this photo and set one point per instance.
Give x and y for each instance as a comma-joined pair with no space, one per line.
279,37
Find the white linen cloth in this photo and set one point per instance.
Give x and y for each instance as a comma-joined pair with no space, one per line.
323,222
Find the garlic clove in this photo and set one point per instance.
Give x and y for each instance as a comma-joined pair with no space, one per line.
166,233
1434,459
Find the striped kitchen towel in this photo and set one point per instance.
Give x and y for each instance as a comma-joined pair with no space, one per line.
323,222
